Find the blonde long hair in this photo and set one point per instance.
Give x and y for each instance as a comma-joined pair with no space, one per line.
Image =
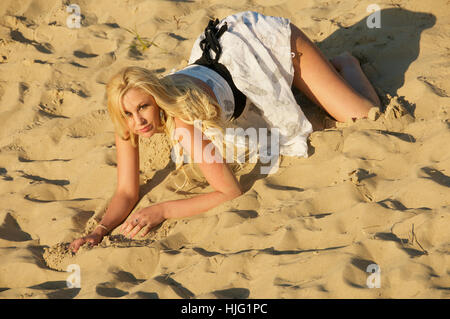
176,97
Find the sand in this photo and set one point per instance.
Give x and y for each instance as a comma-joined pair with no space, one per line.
372,191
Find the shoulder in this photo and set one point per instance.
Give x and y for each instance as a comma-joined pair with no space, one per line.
179,122
128,143
182,129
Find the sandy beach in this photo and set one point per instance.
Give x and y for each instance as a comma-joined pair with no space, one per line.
373,192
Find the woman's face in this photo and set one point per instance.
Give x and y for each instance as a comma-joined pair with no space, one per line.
141,112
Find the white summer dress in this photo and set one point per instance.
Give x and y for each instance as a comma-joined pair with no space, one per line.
256,51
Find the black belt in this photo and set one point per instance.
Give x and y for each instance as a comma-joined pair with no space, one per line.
211,42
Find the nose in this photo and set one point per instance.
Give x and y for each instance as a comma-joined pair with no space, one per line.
139,119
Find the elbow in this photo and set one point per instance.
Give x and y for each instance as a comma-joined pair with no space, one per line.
234,194
132,198
238,194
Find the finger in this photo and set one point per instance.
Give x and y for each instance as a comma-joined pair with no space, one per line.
127,229
74,243
136,230
74,246
91,241
127,223
146,230
130,225
124,225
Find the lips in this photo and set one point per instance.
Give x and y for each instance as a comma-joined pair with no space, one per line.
146,128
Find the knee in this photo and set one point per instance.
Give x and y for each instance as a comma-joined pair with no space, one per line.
364,109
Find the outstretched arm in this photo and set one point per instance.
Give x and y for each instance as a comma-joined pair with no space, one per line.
127,190
218,175
125,196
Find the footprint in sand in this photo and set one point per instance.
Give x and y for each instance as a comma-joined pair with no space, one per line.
88,125
89,59
408,246
110,159
60,101
392,204
46,48
38,179
57,290
356,273
50,105
4,175
436,176
23,90
10,230
84,55
49,112
107,289
434,86
357,177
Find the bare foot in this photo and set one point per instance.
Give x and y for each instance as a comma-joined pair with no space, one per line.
349,68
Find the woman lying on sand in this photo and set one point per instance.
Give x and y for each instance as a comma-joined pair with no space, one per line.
258,58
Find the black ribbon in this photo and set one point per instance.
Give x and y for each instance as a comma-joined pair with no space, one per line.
211,42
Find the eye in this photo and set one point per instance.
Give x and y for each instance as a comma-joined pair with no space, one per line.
143,106
127,114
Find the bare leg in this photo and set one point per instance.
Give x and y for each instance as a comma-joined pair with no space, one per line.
349,68
345,96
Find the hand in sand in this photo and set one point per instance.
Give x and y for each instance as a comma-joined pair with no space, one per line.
147,218
93,238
